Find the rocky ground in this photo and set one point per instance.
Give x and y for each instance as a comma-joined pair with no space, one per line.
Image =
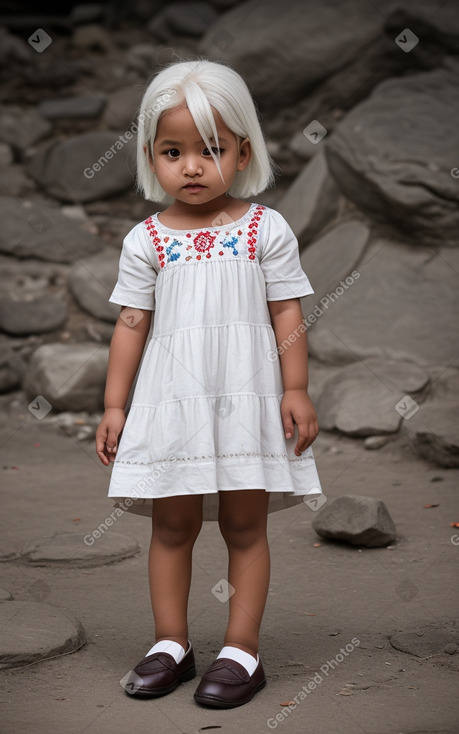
359,104
398,601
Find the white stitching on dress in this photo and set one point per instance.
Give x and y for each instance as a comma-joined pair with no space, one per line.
211,456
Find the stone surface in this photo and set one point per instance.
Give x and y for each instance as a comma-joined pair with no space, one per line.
5,595
424,642
90,166
15,182
357,520
91,282
190,18
38,315
67,376
385,158
361,399
73,107
252,38
21,127
328,262
404,293
42,231
72,550
122,107
434,431
32,631
311,201
12,368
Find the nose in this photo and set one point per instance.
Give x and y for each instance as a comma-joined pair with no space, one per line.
192,165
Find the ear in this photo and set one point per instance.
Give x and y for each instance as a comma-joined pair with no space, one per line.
149,158
245,153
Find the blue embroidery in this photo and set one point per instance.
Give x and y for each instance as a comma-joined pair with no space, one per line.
173,255
231,243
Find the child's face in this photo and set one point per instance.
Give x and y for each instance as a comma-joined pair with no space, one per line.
183,164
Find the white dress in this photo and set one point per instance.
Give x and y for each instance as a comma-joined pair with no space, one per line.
205,412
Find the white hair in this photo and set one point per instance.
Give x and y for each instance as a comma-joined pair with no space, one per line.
203,84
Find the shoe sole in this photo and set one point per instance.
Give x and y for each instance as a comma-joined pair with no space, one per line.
186,676
221,703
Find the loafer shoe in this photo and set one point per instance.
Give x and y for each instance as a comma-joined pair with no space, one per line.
158,674
227,684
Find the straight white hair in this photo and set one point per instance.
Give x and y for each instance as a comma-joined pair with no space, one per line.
203,84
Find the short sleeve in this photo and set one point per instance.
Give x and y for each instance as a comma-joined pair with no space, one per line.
138,271
280,259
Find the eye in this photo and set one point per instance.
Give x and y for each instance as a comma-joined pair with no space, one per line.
172,152
206,151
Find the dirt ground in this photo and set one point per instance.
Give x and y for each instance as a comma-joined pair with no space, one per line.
320,598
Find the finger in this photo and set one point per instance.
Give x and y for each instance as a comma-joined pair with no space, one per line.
111,442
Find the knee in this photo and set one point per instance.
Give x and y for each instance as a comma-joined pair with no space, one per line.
176,530
241,532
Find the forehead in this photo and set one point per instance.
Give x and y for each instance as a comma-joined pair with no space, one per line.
179,124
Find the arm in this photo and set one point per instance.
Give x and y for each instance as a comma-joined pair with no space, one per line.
126,348
296,405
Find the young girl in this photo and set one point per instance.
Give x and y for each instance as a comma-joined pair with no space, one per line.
218,411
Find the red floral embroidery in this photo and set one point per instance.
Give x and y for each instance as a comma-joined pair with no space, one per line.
156,240
204,241
253,231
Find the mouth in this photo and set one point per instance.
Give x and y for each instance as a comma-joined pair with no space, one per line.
194,187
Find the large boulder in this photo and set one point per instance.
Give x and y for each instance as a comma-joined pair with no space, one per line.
91,282
391,155
66,377
40,231
402,305
366,398
311,201
91,166
357,520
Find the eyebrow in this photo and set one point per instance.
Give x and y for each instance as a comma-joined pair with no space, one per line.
176,142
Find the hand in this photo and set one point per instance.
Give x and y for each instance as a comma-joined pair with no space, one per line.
296,406
107,434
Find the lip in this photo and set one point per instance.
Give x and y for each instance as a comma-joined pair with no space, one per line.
194,187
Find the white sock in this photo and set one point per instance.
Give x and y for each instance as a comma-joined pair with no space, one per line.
244,658
173,648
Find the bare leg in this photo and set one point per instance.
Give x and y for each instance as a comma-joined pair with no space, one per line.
176,523
243,525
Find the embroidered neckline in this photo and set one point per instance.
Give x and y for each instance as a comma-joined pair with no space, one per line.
228,225
203,241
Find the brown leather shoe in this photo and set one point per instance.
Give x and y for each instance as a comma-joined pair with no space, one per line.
158,674
227,684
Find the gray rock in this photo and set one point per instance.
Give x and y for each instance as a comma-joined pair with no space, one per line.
90,166
361,399
357,520
122,106
33,316
266,43
5,595
67,376
41,231
14,181
403,293
451,648
97,548
32,631
92,37
424,642
13,49
12,368
311,201
372,443
434,431
6,153
187,18
21,127
383,153
330,263
72,107
91,282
